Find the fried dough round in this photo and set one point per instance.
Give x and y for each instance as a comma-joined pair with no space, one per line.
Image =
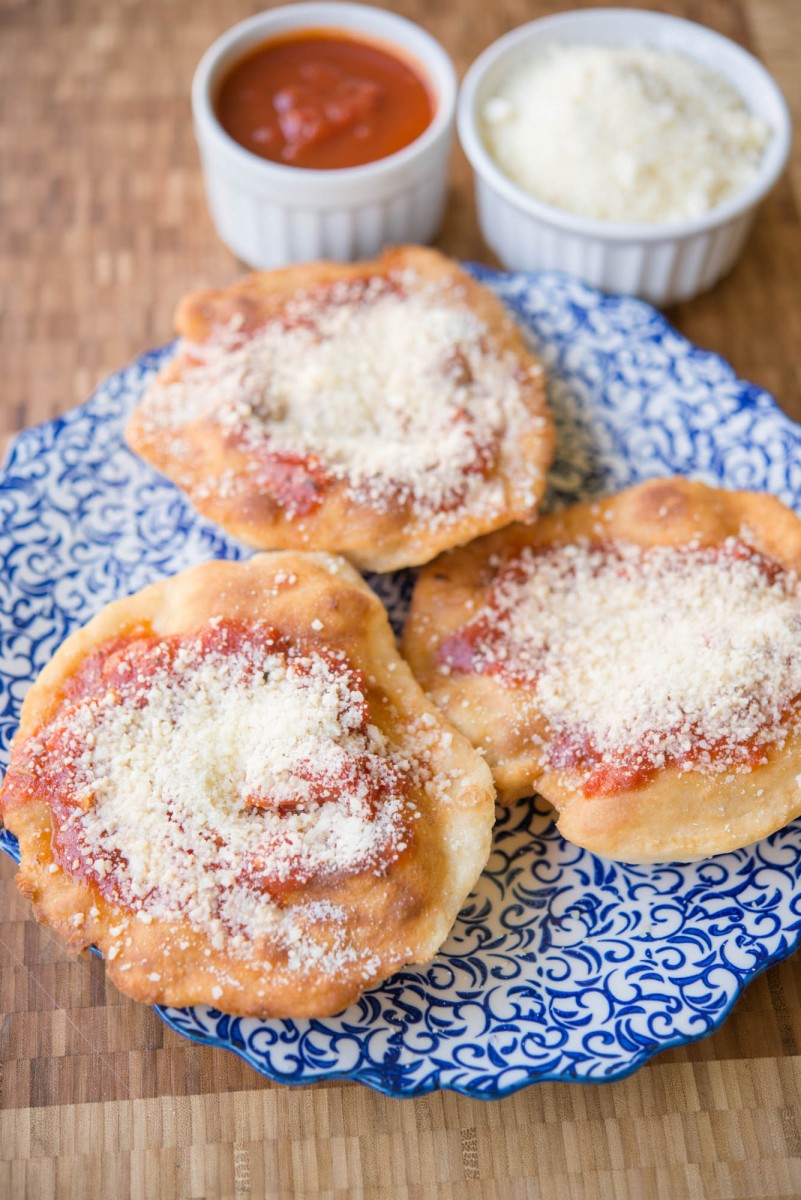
383,410
232,785
637,661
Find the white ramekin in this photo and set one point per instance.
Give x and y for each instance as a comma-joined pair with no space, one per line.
269,214
661,262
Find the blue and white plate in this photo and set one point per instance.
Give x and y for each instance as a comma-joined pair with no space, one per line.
561,965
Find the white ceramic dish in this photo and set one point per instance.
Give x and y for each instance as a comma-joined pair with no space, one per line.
269,214
662,263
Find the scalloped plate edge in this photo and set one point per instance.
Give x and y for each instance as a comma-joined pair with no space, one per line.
499,1093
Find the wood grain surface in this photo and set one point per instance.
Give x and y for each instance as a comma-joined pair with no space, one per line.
102,226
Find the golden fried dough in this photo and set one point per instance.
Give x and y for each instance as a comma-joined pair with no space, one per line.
384,410
232,785
637,661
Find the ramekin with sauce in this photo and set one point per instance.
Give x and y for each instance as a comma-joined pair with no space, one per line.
672,256
325,131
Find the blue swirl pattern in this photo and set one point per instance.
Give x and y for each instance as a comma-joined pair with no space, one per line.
561,965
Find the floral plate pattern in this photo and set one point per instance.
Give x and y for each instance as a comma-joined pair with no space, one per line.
561,965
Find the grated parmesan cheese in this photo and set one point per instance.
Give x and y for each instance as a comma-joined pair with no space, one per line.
668,654
623,133
208,773
396,390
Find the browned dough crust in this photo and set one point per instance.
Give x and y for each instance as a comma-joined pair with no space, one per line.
373,539
677,815
400,917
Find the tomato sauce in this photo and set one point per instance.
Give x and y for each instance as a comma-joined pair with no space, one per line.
45,769
323,100
631,768
297,483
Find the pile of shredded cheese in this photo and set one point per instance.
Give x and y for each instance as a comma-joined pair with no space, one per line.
203,775
623,133
392,385
663,655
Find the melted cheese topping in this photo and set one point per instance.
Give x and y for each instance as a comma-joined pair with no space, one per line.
662,655
395,389
203,777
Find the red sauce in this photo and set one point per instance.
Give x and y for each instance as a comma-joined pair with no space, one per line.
297,483
463,651
322,99
44,768
631,768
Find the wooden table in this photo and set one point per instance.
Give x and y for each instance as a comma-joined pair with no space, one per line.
102,226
